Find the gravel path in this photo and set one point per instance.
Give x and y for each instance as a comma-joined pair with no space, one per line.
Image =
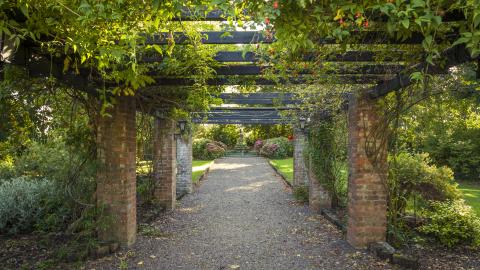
241,217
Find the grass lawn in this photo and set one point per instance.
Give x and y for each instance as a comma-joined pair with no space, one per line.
471,194
285,167
198,167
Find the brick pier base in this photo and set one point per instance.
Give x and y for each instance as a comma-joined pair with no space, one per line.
116,176
164,163
184,165
367,196
299,169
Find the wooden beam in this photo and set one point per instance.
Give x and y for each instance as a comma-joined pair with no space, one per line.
333,69
258,98
249,109
256,37
218,15
243,80
191,15
241,121
213,37
350,56
453,56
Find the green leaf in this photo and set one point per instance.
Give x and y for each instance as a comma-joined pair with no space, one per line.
157,48
476,20
416,76
461,40
405,23
418,3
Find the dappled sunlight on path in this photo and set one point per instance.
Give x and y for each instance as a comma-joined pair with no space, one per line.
243,217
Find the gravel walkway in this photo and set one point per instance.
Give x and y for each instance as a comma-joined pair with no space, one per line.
242,217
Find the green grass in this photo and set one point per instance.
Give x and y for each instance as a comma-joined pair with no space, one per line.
285,167
471,194
198,168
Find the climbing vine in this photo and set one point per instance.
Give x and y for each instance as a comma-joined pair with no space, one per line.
326,153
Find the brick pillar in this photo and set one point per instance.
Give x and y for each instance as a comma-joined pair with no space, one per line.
184,165
318,196
116,176
299,168
367,195
164,162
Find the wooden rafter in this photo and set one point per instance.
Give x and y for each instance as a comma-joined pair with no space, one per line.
452,56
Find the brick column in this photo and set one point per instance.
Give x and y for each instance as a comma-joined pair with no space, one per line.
164,162
116,176
367,195
184,165
318,196
299,168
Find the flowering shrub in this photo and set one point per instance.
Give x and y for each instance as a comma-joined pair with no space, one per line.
215,150
279,147
206,149
269,149
258,146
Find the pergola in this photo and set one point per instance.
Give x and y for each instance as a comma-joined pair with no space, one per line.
367,197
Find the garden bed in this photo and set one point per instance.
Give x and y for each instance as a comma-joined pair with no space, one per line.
429,255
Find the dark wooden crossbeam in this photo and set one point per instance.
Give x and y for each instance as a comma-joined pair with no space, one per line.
451,57
218,15
350,56
241,121
190,15
243,115
249,109
334,69
258,98
255,37
243,80
214,37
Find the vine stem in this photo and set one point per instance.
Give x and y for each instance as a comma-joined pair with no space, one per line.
69,9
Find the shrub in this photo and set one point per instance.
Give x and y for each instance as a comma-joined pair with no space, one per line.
7,168
453,223
25,202
414,183
413,174
258,146
44,160
206,149
228,134
253,132
279,147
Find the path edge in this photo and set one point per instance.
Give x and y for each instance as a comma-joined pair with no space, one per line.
278,173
